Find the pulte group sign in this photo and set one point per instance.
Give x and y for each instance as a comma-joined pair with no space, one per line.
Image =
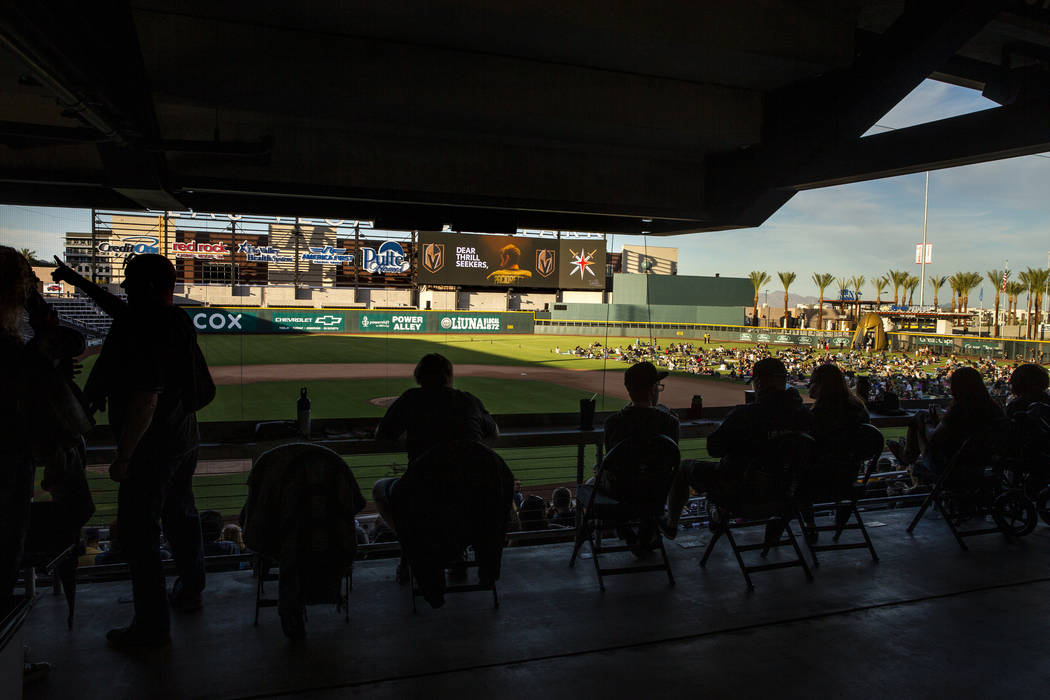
510,261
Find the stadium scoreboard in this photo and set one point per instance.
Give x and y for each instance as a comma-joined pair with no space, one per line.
510,261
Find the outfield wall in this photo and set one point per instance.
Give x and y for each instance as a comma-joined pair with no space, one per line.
213,319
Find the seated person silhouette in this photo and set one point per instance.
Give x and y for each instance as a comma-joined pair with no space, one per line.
211,531
932,440
644,417
1029,384
739,441
429,415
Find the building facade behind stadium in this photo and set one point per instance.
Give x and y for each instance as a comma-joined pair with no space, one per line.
234,261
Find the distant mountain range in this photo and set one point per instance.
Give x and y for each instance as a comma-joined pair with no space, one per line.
776,299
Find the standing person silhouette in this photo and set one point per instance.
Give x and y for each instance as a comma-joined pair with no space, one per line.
16,459
154,378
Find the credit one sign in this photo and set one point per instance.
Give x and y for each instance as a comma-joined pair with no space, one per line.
510,261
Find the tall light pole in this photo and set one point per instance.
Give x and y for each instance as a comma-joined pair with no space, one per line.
922,251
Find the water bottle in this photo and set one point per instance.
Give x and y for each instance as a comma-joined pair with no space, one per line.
303,413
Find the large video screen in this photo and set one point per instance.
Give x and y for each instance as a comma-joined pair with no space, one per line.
510,261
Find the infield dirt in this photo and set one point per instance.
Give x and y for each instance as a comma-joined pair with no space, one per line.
678,390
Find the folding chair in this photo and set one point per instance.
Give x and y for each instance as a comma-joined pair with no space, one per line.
302,499
974,484
268,570
468,564
454,496
862,445
768,501
639,466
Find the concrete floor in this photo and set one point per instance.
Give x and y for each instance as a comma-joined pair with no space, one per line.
927,621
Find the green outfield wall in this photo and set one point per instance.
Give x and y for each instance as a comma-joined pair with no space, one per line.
215,319
674,290
656,313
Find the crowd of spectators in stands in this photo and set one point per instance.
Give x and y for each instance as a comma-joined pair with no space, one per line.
918,375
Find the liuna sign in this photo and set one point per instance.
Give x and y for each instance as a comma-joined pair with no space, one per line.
489,324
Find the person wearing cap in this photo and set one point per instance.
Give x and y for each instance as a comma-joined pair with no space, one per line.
739,439
645,414
147,372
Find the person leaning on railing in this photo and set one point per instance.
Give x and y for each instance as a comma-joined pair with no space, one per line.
739,440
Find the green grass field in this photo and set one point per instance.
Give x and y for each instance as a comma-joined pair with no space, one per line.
341,398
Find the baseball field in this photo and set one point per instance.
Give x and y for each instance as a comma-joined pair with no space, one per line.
259,377
347,376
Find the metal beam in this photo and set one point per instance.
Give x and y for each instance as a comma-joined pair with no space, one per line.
994,134
805,123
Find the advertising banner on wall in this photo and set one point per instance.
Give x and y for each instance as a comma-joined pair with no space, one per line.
386,322
307,321
215,320
510,261
286,321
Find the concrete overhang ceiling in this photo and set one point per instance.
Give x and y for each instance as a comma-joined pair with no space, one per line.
490,116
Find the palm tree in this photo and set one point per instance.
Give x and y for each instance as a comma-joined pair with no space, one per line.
1025,278
1037,281
996,278
758,278
29,255
1016,289
897,278
880,284
937,283
786,278
909,286
843,283
1011,295
823,280
968,282
857,283
956,283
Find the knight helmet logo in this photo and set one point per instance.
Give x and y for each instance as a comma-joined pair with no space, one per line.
433,257
545,266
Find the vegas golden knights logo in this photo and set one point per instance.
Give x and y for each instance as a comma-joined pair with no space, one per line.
545,266
433,256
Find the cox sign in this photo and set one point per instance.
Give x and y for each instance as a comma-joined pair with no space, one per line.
222,321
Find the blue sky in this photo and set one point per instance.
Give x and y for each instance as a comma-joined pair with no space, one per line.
979,216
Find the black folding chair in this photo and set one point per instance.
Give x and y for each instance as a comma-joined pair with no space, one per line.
767,499
639,470
840,464
450,510
975,483
302,499
268,570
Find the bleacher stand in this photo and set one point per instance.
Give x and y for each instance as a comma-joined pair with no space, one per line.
83,314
